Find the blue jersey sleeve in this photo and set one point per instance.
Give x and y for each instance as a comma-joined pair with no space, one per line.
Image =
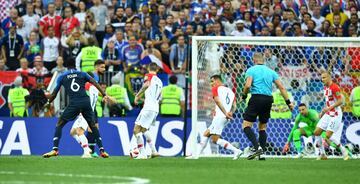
58,83
86,76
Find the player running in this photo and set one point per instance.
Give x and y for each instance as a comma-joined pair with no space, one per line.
308,116
225,102
152,88
74,84
331,117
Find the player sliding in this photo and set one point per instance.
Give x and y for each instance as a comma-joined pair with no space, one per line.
74,84
152,88
331,117
225,102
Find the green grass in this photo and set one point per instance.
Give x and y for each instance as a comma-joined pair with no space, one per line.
34,169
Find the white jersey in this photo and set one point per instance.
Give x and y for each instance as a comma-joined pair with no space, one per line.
51,49
93,93
226,96
152,93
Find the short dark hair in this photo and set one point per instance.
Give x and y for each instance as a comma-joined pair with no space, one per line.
153,67
91,41
71,63
216,76
173,79
99,62
302,104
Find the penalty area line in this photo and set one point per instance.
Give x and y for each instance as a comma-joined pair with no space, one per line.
128,179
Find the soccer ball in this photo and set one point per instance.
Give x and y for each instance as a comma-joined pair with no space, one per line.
134,152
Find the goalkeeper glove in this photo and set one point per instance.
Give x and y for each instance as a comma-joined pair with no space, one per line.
286,148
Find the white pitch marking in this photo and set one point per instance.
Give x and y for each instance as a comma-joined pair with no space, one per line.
131,180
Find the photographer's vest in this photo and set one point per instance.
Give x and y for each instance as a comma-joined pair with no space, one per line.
356,102
170,103
98,107
17,98
117,92
279,103
88,57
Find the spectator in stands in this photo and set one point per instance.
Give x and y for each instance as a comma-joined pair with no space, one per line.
131,54
297,30
9,21
81,12
21,7
310,29
271,60
172,99
69,23
88,27
354,21
50,47
12,48
179,59
24,69
39,68
3,67
16,99
119,18
59,66
165,53
289,21
352,31
278,31
122,100
169,23
180,23
316,16
290,4
100,13
76,41
120,42
59,8
20,29
305,18
39,8
50,20
111,56
32,48
240,29
31,20
161,14
165,35
88,56
262,20
336,10
151,50
339,32
109,33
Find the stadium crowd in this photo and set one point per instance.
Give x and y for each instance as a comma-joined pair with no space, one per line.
40,37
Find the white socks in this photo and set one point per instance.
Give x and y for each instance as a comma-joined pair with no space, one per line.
226,145
149,141
82,140
320,145
140,142
203,144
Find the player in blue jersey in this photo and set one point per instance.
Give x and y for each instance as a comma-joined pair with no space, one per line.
74,84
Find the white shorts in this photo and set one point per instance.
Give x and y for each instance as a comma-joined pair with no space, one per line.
330,123
146,118
217,125
80,122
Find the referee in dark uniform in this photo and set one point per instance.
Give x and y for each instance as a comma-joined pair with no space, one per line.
259,79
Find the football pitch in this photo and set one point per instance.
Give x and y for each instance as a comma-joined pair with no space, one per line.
172,170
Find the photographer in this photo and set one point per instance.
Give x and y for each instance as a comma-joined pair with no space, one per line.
88,27
76,42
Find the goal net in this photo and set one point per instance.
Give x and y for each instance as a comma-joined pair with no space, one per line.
298,61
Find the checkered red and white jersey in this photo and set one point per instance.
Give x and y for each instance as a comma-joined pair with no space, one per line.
332,93
226,96
5,7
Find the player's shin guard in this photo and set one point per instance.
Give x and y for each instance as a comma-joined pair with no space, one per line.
251,136
297,142
149,141
226,145
262,139
91,139
140,142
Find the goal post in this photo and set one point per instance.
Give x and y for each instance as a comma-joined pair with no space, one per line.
297,60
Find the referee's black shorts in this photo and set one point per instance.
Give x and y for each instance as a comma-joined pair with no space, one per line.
258,106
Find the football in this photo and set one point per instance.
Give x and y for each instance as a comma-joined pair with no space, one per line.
134,153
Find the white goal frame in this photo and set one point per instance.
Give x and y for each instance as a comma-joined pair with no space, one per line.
281,41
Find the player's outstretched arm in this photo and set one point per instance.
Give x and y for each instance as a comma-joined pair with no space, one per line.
92,81
284,93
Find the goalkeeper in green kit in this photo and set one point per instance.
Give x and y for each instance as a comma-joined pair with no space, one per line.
307,116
